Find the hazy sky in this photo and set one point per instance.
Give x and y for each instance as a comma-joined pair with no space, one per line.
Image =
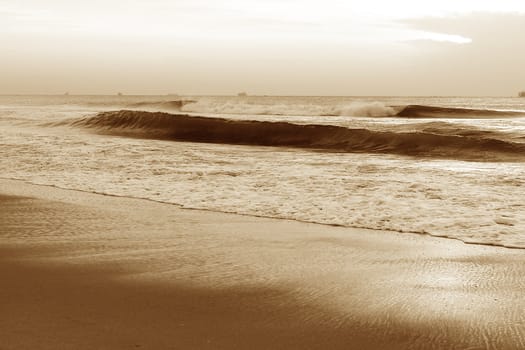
293,47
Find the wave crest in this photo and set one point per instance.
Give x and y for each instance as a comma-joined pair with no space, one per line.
162,105
370,109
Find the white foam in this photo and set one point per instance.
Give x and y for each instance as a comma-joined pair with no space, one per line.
353,109
367,109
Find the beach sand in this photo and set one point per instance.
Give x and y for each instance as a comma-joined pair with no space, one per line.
87,271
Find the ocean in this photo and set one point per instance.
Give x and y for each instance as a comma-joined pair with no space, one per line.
444,166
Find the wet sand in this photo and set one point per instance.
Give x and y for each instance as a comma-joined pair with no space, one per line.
86,271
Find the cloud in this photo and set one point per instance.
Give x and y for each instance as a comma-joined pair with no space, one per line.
440,37
491,64
485,28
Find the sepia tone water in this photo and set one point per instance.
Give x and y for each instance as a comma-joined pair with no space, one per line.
451,167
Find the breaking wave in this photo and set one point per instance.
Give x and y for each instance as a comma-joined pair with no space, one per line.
433,140
175,105
354,109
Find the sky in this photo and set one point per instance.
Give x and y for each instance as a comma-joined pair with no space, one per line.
273,47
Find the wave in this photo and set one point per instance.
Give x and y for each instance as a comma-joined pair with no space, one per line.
180,127
354,109
422,111
164,105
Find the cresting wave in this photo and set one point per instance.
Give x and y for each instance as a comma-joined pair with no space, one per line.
169,105
179,127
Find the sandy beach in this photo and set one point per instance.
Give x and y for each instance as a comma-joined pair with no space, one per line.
87,271
295,175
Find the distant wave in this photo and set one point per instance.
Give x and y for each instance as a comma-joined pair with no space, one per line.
353,109
421,111
164,126
164,105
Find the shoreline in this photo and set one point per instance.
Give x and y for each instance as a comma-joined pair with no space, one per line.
85,270
204,210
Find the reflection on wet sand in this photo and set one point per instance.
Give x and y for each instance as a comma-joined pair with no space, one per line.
90,271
